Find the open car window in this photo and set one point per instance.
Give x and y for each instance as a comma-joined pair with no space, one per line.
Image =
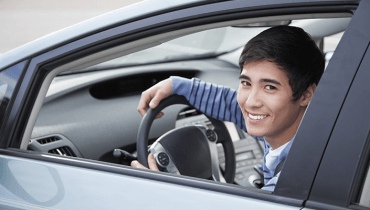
90,112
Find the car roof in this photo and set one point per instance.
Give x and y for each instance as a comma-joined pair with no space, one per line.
126,14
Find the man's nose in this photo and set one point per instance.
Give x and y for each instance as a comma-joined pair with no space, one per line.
254,99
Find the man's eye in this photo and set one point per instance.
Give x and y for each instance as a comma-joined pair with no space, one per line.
270,87
245,83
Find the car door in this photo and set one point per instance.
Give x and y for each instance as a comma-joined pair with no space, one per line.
81,183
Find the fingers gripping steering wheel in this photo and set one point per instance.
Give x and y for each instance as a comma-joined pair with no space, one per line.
189,150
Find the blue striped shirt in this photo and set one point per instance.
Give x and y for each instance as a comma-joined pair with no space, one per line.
220,102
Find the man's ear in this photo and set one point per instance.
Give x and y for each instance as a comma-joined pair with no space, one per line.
307,95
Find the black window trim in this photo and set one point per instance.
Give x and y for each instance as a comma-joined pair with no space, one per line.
8,115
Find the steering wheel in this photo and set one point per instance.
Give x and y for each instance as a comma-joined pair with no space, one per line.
189,150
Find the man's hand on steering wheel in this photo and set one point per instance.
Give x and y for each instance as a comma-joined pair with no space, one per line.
151,162
151,97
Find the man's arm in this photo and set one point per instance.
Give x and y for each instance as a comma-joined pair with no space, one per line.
216,101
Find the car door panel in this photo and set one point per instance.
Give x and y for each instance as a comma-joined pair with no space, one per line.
33,184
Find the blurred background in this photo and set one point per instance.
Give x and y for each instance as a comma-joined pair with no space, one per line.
22,21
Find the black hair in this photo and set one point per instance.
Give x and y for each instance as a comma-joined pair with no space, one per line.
292,49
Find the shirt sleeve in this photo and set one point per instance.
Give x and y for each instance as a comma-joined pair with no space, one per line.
217,101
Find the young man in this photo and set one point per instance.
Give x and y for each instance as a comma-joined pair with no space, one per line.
279,71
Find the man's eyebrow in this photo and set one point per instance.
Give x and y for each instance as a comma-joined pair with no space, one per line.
270,81
244,77
261,80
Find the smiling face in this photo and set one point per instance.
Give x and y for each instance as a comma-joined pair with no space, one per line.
266,100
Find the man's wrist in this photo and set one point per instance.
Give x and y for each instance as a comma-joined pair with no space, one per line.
181,86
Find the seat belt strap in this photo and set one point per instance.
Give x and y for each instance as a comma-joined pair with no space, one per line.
279,167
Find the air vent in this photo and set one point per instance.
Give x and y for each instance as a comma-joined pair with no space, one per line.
48,140
64,151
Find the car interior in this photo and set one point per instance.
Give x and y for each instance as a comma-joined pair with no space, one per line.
88,108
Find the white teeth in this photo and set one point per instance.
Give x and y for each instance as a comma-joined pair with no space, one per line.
257,117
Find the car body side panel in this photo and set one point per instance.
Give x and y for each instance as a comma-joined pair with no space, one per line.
35,184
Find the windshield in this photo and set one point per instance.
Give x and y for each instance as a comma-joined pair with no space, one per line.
212,43
204,43
208,43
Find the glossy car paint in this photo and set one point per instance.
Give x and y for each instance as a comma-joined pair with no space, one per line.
30,184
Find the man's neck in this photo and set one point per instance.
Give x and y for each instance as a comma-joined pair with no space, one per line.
276,143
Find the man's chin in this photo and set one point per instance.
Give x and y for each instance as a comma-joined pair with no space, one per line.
255,133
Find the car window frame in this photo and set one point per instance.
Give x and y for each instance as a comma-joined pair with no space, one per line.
21,66
43,64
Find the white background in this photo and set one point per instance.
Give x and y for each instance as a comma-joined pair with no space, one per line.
22,21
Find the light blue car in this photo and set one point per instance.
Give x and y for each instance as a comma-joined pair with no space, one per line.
69,123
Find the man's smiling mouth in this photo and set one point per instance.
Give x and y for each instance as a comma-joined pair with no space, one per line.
257,117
